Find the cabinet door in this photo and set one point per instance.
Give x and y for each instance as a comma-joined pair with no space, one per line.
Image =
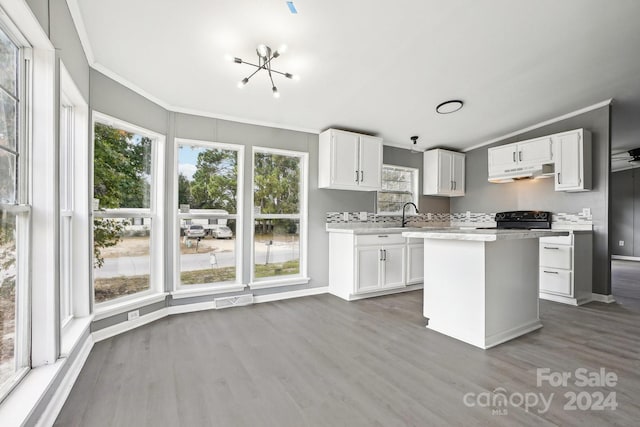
344,159
415,263
370,163
568,162
458,174
368,261
393,266
445,173
535,152
501,159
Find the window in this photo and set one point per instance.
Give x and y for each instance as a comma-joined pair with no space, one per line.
279,214
399,186
127,167
14,215
209,201
74,198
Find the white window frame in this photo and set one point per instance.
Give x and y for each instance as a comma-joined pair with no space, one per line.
208,288
22,209
155,212
74,141
415,189
302,216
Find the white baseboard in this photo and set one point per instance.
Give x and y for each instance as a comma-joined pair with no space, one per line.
56,403
114,330
291,294
603,298
625,258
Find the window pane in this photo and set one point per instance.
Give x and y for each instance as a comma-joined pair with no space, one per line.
277,247
8,64
122,168
7,177
397,179
393,202
208,178
7,296
207,251
276,184
8,120
65,269
121,257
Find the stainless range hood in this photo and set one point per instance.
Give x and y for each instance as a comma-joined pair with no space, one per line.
531,172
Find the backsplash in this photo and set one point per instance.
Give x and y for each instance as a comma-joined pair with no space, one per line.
447,219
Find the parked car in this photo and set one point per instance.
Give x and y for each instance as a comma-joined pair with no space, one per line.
194,231
222,232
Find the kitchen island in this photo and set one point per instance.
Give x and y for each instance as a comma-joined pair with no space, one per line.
481,286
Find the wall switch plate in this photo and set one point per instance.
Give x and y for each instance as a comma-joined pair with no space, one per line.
133,314
345,216
621,243
429,216
468,214
586,211
363,216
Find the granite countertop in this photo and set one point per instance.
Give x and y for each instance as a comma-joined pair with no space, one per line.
376,228
482,235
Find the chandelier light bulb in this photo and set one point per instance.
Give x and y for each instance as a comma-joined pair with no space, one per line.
262,50
243,82
282,49
276,94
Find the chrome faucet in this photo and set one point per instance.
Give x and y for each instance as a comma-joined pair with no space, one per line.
404,222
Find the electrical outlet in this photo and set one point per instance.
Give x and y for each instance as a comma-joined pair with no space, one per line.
586,211
621,243
429,216
363,216
133,314
468,214
345,216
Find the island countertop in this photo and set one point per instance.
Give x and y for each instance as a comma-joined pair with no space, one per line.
480,235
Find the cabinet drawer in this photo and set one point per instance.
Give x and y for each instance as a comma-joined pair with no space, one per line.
555,281
558,240
414,241
555,256
379,239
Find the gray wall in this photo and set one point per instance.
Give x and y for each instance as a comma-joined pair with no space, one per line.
401,157
481,196
625,212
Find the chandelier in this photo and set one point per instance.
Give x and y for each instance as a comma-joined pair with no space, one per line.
265,58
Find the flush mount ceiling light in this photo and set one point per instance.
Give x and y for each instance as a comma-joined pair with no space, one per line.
265,57
449,107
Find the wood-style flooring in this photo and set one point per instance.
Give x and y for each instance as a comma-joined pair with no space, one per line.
625,282
321,361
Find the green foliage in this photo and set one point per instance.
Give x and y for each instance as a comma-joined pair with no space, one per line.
122,166
184,191
107,232
215,181
277,184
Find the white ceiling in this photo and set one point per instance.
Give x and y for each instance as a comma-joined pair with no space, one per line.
380,66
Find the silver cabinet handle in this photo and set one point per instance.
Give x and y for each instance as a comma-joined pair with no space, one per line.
381,259
383,235
356,176
551,247
514,157
559,181
520,155
455,185
384,251
550,272
451,185
361,176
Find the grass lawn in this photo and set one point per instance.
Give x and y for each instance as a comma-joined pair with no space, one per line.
277,269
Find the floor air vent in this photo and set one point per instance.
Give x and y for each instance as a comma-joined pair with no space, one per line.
236,301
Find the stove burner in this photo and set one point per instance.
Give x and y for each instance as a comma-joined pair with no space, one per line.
523,220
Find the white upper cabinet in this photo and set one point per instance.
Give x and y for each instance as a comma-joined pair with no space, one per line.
349,161
535,151
443,173
519,156
573,160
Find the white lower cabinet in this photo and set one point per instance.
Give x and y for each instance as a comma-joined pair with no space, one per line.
415,261
565,268
371,265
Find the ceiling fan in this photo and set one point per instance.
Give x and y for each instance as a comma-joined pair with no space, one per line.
625,160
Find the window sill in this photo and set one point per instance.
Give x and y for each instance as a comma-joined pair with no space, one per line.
277,283
72,333
124,306
209,290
